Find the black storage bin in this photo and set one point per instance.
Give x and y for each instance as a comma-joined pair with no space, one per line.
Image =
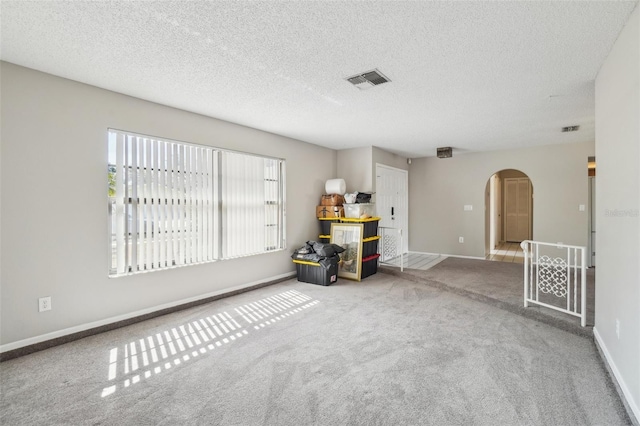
313,273
326,239
369,266
370,246
325,225
370,228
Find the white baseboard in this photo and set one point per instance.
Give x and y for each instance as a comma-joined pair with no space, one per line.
449,255
623,386
82,327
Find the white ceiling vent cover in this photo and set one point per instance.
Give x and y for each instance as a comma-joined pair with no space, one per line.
368,79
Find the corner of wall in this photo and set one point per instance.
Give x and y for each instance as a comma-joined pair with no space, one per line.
354,165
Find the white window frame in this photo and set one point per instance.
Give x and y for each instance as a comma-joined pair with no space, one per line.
197,208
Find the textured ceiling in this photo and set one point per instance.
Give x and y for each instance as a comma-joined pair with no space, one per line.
478,75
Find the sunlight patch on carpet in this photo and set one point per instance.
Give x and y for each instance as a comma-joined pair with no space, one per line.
145,357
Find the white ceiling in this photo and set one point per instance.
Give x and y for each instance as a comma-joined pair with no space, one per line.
477,75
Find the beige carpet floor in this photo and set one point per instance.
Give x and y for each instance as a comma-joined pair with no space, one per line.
384,351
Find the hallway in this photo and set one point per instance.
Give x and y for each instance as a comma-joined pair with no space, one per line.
507,252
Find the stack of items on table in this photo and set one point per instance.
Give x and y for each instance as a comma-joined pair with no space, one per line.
330,206
358,206
334,206
330,211
317,263
331,203
337,206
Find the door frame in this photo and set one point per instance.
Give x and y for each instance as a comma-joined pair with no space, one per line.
493,212
497,191
591,258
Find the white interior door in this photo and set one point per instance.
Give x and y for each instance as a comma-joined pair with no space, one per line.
517,202
392,200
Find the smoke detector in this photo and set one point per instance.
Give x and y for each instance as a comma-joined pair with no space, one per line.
570,129
367,80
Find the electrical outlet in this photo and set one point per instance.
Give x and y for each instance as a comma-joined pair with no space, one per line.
461,239
44,304
618,328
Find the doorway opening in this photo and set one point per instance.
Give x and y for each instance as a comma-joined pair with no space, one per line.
392,205
591,172
508,215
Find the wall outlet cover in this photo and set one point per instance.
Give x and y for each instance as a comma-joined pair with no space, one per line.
44,304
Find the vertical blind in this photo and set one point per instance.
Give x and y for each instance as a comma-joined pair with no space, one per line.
173,204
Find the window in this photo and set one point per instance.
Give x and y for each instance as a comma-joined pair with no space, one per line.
173,203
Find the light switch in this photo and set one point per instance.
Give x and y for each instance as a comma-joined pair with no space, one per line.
581,207
468,207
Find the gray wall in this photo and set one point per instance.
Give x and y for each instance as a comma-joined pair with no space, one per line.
357,166
618,210
439,189
380,156
354,166
54,205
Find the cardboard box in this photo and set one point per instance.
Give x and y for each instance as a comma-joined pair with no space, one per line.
332,200
329,211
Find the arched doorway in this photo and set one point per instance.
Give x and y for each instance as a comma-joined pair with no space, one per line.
508,215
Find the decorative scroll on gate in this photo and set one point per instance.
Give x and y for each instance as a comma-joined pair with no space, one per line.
552,276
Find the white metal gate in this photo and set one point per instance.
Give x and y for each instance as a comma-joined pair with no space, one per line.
555,276
391,243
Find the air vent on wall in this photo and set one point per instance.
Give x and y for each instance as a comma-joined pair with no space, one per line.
445,152
368,79
571,129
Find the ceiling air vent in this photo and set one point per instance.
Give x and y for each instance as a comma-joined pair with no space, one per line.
571,129
445,152
367,80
